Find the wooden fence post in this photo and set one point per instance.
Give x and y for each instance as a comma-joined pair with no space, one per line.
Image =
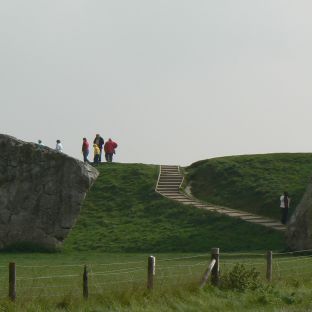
150,272
12,281
269,266
207,273
215,273
85,283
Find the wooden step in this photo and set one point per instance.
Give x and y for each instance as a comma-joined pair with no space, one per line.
159,187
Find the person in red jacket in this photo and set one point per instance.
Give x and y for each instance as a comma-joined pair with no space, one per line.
85,150
109,149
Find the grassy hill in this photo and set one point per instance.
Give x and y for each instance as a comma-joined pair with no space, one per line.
251,183
123,213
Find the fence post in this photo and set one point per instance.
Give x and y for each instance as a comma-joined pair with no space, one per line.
150,272
269,266
215,273
12,281
207,273
85,283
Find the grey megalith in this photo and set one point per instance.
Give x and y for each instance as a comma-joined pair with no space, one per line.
299,232
41,193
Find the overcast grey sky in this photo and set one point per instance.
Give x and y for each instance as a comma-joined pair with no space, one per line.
171,81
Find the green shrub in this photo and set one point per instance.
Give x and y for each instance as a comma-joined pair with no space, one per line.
240,278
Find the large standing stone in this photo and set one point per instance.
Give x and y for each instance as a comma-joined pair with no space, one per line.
299,232
41,192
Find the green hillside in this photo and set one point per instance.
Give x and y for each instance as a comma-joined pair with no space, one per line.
123,213
252,183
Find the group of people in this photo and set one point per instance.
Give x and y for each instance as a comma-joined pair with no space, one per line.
99,145
109,148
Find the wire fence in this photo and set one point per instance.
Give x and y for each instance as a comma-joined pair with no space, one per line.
71,279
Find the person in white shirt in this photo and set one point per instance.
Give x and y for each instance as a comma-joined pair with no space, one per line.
40,145
59,146
285,203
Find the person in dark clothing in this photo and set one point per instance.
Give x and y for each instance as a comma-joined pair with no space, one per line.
85,150
109,149
99,141
285,202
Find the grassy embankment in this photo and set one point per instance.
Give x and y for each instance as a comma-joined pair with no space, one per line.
251,183
123,213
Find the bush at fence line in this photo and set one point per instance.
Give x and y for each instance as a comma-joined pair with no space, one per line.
240,278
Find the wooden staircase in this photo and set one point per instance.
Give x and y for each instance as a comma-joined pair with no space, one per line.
169,183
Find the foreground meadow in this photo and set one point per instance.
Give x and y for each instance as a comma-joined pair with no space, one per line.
117,282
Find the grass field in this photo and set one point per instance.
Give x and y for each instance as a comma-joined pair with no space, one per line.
251,183
53,282
123,213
